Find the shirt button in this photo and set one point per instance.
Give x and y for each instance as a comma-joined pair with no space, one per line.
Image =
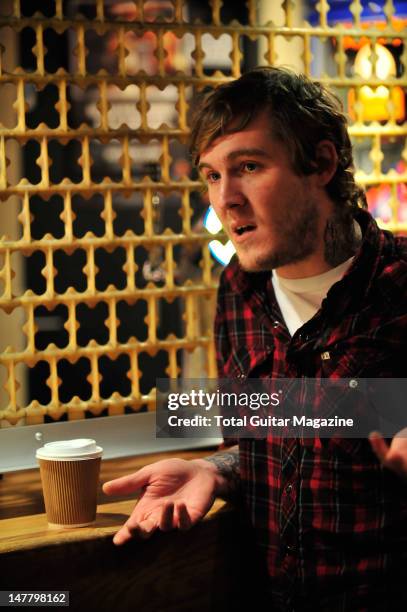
289,548
276,324
289,488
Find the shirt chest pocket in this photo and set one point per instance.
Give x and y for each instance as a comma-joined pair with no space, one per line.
362,357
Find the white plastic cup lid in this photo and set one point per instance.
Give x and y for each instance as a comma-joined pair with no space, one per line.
81,448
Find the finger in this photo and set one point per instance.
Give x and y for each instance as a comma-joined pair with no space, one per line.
184,520
395,461
128,484
142,530
167,516
123,535
398,463
147,528
379,446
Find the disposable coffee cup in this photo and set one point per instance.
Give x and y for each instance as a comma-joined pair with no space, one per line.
70,476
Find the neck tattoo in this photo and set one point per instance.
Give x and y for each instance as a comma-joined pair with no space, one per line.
342,238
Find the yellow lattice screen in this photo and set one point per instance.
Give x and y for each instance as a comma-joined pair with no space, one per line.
105,276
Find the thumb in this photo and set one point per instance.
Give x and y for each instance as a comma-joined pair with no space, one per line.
379,446
128,484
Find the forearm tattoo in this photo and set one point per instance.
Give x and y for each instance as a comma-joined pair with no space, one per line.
227,463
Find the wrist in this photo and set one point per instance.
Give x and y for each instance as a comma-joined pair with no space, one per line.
220,482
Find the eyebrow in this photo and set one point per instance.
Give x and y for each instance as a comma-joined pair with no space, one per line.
239,153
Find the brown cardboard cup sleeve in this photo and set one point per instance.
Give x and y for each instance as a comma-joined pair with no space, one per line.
70,476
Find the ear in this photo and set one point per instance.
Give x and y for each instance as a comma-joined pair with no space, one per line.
327,161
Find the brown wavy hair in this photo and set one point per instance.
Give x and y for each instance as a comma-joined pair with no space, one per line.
302,113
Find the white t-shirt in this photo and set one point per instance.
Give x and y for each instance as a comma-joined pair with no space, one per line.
300,298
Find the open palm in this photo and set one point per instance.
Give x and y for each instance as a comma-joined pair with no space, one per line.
174,493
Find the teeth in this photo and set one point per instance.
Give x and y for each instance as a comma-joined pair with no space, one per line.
243,228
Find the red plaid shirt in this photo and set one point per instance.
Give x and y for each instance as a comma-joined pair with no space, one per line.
330,522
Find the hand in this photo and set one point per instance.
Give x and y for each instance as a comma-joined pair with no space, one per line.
394,456
174,494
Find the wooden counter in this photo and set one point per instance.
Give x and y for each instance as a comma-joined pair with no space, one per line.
21,493
205,569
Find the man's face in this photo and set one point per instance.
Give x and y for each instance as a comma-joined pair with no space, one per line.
270,213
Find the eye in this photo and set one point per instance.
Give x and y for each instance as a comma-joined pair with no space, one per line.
212,177
250,166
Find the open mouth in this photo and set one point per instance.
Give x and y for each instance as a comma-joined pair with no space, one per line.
243,229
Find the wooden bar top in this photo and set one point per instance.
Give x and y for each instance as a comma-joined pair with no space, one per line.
21,492
31,532
23,523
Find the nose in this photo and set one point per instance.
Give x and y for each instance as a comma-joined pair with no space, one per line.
230,194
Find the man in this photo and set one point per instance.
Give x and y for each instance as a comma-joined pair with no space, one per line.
316,290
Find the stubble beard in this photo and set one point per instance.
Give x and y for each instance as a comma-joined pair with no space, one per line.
297,240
